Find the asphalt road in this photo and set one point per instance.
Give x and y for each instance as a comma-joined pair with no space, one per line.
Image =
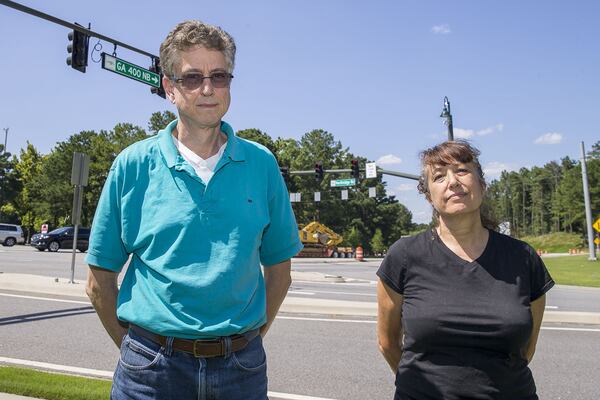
359,282
308,355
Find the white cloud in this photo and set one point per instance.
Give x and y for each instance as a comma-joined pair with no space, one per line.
490,129
549,138
442,29
460,133
494,169
463,133
388,159
406,187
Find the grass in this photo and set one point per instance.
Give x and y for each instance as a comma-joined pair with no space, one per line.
51,386
574,270
559,242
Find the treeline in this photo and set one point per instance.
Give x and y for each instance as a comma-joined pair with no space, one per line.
36,188
547,199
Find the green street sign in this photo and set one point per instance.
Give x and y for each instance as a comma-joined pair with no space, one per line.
130,70
343,182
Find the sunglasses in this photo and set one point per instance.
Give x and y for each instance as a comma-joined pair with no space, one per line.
194,80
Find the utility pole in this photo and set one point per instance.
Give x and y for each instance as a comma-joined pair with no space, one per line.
588,208
3,174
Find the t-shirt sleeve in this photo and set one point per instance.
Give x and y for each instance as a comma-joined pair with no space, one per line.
280,239
393,269
541,281
106,249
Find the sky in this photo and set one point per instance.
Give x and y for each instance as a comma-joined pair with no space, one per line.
522,76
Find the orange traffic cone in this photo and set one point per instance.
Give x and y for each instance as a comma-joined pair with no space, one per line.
359,253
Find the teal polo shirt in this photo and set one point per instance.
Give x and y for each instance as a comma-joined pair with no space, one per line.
196,249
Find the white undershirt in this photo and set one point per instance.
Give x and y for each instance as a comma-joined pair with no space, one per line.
205,169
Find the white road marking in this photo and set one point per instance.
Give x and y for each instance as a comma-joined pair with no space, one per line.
288,396
351,282
109,375
300,292
45,298
552,307
552,328
333,292
363,321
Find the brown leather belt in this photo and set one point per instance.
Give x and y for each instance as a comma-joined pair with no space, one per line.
200,348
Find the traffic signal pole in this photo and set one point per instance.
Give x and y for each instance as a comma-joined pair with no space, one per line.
79,45
75,27
348,171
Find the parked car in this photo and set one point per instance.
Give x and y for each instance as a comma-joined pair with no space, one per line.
61,238
11,234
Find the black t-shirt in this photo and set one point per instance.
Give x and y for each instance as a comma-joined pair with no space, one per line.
465,323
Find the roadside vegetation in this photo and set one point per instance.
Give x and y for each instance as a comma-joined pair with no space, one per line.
574,270
559,242
51,386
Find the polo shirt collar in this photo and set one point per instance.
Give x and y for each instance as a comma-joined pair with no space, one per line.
234,150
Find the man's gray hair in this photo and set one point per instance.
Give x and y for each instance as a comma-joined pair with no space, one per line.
190,34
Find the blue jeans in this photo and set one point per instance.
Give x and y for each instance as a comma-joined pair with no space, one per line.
147,370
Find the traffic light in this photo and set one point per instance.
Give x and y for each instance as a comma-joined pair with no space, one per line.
78,50
155,67
355,170
319,171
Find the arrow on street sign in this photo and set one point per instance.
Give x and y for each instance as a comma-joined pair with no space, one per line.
130,70
596,225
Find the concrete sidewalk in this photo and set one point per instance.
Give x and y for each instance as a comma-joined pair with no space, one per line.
54,286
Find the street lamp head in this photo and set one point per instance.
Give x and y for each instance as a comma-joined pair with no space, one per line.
446,110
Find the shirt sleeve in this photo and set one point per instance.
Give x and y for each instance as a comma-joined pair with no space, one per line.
280,239
106,249
540,281
392,269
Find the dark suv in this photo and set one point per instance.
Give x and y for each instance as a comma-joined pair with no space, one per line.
61,238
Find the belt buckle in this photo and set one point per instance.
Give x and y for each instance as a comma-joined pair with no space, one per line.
195,352
221,341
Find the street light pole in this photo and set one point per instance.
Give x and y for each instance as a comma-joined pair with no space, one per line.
5,138
447,118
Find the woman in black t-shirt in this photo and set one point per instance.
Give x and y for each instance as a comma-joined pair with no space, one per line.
460,305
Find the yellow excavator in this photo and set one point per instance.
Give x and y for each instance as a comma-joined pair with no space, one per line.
321,241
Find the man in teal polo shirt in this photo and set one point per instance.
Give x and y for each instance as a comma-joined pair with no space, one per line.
196,210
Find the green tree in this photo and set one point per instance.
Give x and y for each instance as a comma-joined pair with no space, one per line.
10,185
377,245
352,237
159,120
102,148
256,135
27,202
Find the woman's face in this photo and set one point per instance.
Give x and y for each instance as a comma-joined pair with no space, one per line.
454,189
